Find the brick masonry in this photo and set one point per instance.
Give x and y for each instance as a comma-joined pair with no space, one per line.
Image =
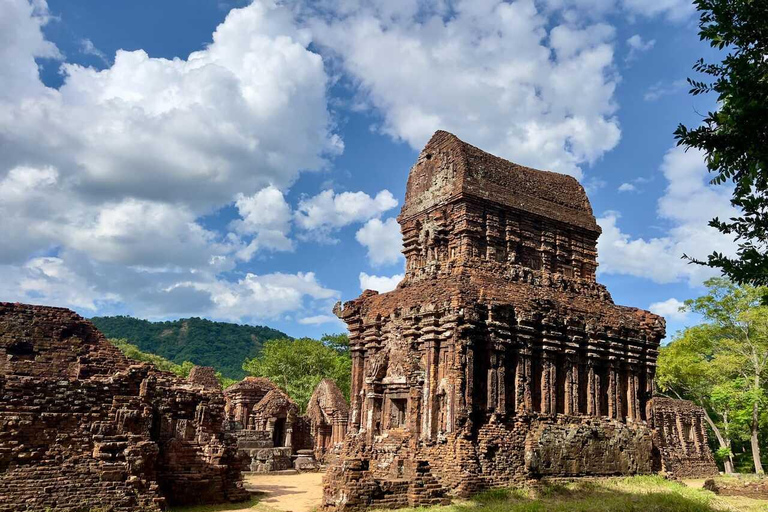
82,426
498,358
268,427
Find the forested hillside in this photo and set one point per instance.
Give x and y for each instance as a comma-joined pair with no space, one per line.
224,346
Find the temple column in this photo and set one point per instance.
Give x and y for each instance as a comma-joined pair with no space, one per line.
575,384
593,386
568,391
501,382
356,391
633,414
428,401
548,397
288,434
523,397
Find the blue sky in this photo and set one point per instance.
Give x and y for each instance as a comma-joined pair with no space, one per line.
150,168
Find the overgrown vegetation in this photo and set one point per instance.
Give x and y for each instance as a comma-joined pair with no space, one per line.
203,342
252,505
161,363
722,365
634,494
734,138
298,365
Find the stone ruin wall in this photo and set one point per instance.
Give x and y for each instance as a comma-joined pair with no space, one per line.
83,427
267,426
498,358
204,376
681,437
328,417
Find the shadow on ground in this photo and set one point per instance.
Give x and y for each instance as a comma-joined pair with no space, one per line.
635,494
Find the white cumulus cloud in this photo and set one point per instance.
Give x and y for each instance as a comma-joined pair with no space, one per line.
381,284
669,309
383,241
110,174
321,214
499,74
688,203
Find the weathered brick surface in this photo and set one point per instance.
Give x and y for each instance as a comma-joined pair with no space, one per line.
328,415
267,425
82,426
498,358
681,437
204,376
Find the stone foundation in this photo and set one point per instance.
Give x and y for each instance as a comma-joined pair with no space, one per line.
83,427
749,488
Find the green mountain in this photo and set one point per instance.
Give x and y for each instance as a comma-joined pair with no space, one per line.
219,344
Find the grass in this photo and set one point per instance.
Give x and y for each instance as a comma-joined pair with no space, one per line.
634,494
251,505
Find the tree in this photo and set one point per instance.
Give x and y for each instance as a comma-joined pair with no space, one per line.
298,365
734,138
723,364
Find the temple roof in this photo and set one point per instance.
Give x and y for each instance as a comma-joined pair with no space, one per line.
261,384
275,403
449,168
327,400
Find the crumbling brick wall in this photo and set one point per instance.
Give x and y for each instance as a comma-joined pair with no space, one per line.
204,376
267,424
499,357
681,438
328,416
82,426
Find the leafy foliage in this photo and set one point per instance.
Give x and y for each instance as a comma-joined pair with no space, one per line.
161,363
298,365
221,345
735,137
722,365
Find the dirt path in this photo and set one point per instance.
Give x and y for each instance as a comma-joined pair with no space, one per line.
297,492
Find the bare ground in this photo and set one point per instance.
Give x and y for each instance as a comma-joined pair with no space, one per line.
288,492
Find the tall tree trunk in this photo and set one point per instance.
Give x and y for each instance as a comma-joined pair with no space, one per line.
754,440
728,462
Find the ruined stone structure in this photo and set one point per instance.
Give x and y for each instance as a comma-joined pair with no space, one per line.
681,437
204,376
267,425
328,415
83,427
499,357
750,487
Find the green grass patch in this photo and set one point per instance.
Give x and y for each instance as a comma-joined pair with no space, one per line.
633,494
243,505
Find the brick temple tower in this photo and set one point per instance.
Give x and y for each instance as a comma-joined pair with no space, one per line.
498,357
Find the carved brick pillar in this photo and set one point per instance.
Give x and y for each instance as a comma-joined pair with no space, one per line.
649,384
431,344
548,386
633,401
355,395
500,362
571,384
593,389
523,378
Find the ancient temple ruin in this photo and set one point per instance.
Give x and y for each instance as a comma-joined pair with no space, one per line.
267,426
204,376
499,357
328,415
82,427
680,435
